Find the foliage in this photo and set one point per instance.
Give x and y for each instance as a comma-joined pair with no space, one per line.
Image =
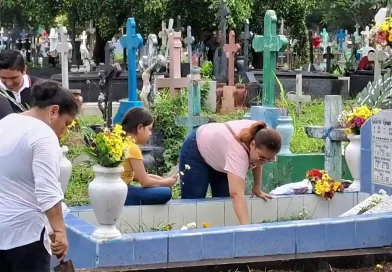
206,70
303,215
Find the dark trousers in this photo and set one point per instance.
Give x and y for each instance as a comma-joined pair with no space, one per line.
195,181
28,258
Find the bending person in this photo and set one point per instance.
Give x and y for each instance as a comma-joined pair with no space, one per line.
154,190
220,155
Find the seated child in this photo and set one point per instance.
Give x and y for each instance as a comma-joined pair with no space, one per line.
154,190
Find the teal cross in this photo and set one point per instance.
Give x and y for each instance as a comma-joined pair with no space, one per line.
325,37
269,44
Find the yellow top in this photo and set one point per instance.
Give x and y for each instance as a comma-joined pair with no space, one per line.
134,152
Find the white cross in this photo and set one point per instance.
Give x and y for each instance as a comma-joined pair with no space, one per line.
365,35
357,26
84,38
1,37
63,48
298,98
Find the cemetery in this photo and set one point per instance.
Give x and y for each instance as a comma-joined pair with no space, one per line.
325,86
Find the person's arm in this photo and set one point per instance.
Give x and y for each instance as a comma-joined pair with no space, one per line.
143,178
5,107
155,177
237,194
46,169
257,175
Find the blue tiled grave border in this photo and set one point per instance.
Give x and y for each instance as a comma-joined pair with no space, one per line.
165,249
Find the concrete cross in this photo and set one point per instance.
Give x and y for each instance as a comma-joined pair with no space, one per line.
83,37
189,40
168,31
298,98
365,35
178,24
246,36
356,34
63,48
132,41
223,13
324,40
163,36
231,48
269,44
193,119
340,36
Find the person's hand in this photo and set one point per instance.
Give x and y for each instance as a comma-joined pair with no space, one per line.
170,181
60,245
257,192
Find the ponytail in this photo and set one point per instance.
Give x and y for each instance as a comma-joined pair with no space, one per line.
248,134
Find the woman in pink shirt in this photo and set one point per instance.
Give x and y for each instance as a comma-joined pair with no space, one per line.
220,155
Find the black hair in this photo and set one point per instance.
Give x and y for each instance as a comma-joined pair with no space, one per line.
50,93
136,117
12,60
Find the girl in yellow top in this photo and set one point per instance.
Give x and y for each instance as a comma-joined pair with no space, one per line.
154,190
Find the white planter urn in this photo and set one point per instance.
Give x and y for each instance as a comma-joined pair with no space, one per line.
353,159
65,173
107,194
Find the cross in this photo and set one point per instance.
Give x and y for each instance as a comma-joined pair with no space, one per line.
332,135
178,24
189,40
109,48
231,48
340,36
131,41
298,98
84,38
24,34
63,48
269,44
53,39
281,32
163,36
365,35
2,37
169,31
246,36
223,13
193,119
356,34
325,40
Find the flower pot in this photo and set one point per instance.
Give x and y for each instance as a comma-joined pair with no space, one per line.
353,159
65,172
239,64
107,193
286,131
240,95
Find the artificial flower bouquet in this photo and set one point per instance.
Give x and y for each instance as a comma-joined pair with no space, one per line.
381,34
354,119
108,148
323,184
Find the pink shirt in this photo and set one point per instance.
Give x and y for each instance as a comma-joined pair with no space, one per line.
221,150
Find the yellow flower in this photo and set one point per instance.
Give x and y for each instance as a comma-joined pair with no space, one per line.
336,185
379,266
206,225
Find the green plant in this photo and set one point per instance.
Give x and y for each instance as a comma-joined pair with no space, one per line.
302,215
204,90
145,228
206,70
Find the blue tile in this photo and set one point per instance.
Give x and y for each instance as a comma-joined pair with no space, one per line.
116,253
150,248
280,238
388,230
86,230
370,232
340,234
217,243
80,208
81,251
366,173
74,223
70,217
250,242
185,246
311,238
366,135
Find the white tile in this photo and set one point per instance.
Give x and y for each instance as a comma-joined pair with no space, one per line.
340,204
230,216
210,212
362,196
290,206
316,206
154,216
264,211
182,214
89,216
130,219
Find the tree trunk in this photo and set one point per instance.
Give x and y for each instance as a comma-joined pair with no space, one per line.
99,48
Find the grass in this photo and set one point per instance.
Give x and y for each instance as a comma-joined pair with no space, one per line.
312,114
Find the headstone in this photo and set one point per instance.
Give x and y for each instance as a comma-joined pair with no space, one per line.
163,36
109,53
231,49
169,31
189,40
178,24
324,40
131,41
247,37
298,98
2,39
269,44
365,36
368,201
356,33
220,59
63,48
193,119
340,36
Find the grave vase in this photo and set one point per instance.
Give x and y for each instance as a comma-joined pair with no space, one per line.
286,131
107,193
65,172
353,159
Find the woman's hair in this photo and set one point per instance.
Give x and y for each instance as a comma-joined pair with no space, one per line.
135,117
50,93
263,137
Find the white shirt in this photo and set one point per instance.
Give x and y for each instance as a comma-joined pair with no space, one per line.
26,84
29,179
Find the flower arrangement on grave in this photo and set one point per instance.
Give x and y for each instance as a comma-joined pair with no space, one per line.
323,184
354,119
193,225
381,34
109,147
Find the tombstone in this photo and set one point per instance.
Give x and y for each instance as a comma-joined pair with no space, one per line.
324,40
356,33
247,37
365,36
332,135
220,59
91,37
109,53
85,54
163,36
231,49
193,120
270,44
178,27
340,36
189,40
63,48
2,44
131,42
169,31
298,98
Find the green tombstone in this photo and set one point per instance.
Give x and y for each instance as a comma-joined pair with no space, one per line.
270,44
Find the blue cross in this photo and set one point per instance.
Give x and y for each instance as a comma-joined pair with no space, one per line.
131,41
24,34
341,35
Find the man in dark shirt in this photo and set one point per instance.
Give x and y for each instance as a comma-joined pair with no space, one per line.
14,83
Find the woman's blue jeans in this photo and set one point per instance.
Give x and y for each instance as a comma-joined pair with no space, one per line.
138,195
195,181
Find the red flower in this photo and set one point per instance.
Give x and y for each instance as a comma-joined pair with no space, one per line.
315,173
316,42
358,121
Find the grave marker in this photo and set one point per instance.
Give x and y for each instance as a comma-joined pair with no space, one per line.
169,31
365,36
63,48
269,44
193,119
163,36
189,40
356,34
246,36
340,36
220,59
178,24
131,41
231,49
324,40
2,38
298,98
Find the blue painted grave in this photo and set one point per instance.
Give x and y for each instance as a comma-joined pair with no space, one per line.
131,41
341,35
